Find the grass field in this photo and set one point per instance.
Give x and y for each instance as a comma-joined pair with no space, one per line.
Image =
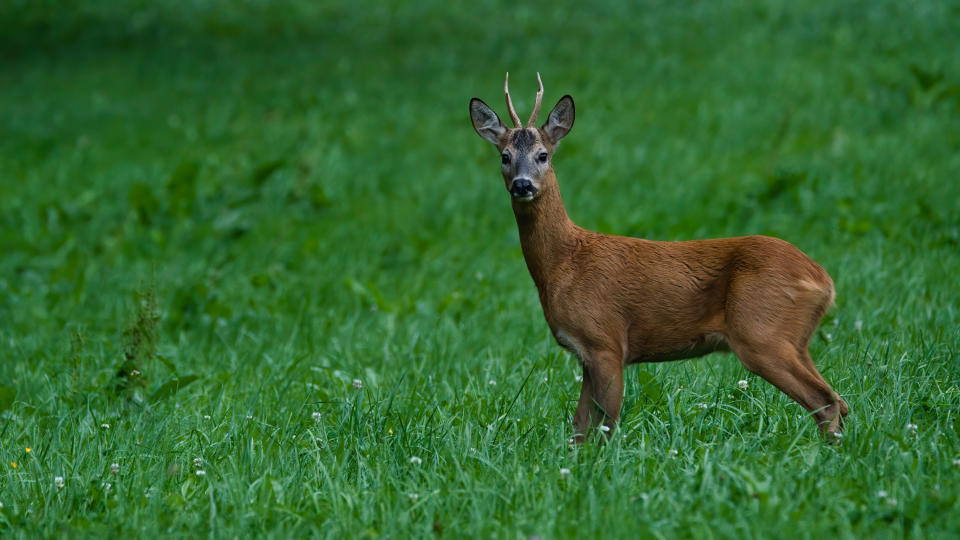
261,240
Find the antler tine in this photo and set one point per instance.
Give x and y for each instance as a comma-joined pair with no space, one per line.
536,106
513,113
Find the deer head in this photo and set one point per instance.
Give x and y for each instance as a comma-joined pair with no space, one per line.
525,152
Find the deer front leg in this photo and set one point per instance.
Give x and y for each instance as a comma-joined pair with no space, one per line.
601,395
586,415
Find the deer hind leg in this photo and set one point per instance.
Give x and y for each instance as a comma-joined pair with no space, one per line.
780,363
601,395
808,363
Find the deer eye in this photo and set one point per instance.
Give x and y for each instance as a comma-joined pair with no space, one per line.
542,157
505,158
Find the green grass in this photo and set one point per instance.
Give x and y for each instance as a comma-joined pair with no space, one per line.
254,203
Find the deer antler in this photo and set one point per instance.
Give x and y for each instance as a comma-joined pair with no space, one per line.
513,113
536,106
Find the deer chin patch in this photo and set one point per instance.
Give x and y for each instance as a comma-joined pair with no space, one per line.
524,198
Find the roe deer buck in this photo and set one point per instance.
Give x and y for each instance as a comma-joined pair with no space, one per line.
614,300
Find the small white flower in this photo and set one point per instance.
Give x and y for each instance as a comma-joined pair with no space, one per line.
743,384
1,505
578,378
912,428
316,416
472,449
545,379
673,452
702,406
358,384
106,486
206,417
249,417
956,463
114,468
135,373
201,472
882,494
415,460
564,472
413,497
198,462
604,428
858,325
105,426
492,382
58,481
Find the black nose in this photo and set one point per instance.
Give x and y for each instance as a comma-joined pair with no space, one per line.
522,187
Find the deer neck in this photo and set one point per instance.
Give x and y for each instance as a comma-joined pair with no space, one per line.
547,235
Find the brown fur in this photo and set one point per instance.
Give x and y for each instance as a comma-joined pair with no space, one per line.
614,300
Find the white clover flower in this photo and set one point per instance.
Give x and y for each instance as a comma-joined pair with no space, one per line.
545,379
882,494
106,486
198,462
956,463
702,406
316,416
1,505
743,384
673,452
206,417
415,460
604,428
564,472
858,325
912,428
358,384
105,426
201,472
135,373
413,497
114,468
492,382
58,481
249,417
578,378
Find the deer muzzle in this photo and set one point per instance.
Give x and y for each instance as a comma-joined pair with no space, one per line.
522,189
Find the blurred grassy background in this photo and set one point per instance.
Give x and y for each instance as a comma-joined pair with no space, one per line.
294,192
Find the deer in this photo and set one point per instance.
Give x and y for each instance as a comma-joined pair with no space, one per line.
613,301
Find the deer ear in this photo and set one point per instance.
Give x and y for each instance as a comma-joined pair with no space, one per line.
560,120
486,122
